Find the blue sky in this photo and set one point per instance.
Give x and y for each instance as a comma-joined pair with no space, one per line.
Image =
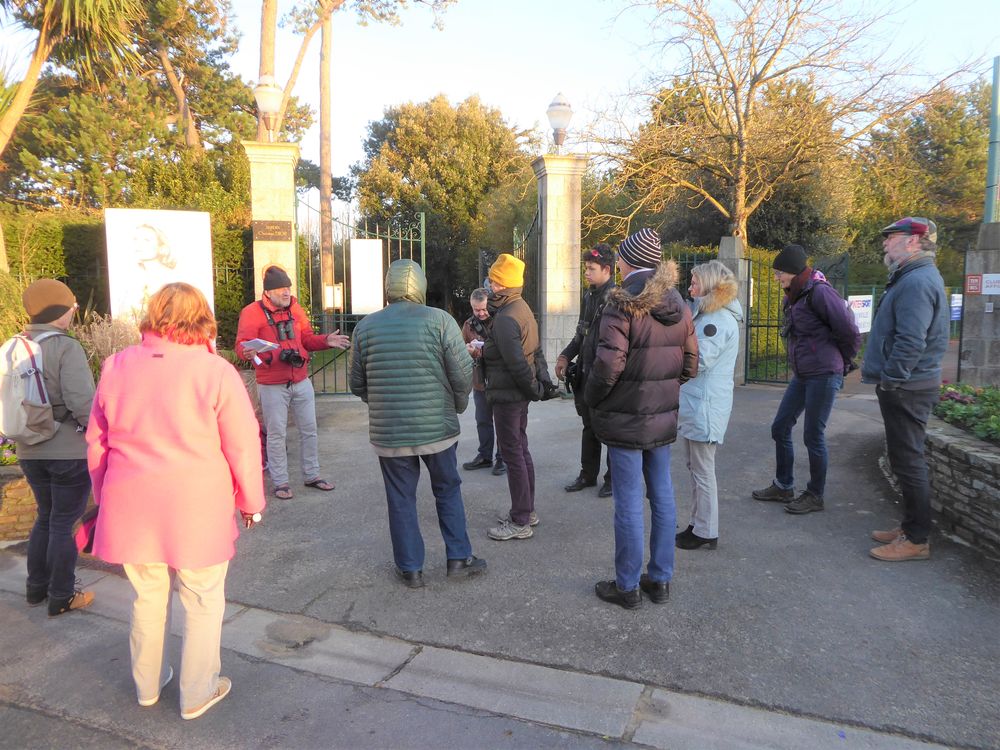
517,54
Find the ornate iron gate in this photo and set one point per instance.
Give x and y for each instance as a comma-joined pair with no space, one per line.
329,368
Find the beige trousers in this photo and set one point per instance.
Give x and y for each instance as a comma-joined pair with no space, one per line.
704,490
202,593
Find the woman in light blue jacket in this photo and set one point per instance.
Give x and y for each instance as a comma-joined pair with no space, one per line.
707,400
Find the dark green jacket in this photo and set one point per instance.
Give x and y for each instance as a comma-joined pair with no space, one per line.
409,364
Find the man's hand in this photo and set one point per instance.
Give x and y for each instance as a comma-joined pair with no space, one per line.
337,340
561,364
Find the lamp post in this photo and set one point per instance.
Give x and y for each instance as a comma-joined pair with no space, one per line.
268,96
559,178
559,114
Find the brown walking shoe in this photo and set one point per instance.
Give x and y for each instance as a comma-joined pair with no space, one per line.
78,600
887,536
900,549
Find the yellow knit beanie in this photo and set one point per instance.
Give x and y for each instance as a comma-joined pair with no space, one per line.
507,271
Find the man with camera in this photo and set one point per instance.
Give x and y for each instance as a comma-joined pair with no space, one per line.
283,375
599,272
474,332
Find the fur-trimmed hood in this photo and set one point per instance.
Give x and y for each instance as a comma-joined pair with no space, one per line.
724,296
652,297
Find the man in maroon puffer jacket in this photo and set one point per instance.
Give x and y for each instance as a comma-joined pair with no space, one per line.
646,349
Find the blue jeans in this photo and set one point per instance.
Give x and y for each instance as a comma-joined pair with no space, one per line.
484,426
814,395
400,475
628,470
61,488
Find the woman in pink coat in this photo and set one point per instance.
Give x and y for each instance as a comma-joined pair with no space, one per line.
173,452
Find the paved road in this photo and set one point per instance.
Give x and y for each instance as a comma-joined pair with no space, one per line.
788,618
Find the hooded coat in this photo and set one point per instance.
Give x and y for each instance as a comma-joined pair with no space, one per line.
410,365
646,348
707,400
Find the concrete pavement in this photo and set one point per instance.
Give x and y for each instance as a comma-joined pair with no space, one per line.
786,636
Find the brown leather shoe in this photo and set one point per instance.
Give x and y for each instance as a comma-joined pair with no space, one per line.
78,600
901,549
885,537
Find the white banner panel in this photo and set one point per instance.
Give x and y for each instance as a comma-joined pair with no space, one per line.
367,276
861,306
149,248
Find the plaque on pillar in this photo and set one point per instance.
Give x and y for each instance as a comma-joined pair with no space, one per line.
272,231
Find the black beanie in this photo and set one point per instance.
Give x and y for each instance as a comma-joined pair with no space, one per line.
275,278
790,260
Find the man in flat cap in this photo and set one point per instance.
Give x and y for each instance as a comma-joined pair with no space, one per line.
907,342
283,375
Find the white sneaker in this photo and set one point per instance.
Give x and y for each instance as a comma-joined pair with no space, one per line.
221,691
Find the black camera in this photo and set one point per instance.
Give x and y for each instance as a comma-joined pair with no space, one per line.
292,357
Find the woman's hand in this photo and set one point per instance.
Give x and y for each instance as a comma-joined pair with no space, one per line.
251,519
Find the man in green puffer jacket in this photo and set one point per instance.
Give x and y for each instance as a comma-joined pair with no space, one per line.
410,365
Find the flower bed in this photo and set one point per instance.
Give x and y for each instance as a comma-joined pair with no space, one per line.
974,409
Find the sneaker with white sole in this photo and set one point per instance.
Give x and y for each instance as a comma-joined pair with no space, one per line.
509,530
153,701
532,519
221,691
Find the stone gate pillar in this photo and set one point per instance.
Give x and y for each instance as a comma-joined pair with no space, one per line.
979,359
732,252
559,178
272,200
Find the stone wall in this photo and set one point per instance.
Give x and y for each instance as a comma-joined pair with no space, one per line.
965,483
17,505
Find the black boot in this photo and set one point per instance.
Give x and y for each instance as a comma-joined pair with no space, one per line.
608,591
579,483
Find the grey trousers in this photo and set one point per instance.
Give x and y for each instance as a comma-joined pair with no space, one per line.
275,403
202,593
704,490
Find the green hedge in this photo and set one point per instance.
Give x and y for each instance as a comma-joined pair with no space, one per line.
70,246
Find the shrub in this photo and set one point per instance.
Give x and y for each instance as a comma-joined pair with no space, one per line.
974,409
102,336
12,315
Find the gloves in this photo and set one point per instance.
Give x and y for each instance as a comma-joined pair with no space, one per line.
561,364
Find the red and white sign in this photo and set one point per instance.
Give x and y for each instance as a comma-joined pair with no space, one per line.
974,283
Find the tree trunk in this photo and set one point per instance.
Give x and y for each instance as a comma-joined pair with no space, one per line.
268,25
191,137
325,161
3,252
18,105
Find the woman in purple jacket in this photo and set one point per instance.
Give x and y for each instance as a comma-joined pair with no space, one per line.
822,340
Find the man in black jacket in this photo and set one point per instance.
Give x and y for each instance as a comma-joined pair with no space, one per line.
599,273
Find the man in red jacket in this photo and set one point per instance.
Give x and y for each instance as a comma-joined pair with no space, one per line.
283,375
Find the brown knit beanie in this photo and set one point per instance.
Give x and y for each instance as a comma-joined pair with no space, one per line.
275,278
46,300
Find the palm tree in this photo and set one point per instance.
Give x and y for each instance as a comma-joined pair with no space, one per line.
85,30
